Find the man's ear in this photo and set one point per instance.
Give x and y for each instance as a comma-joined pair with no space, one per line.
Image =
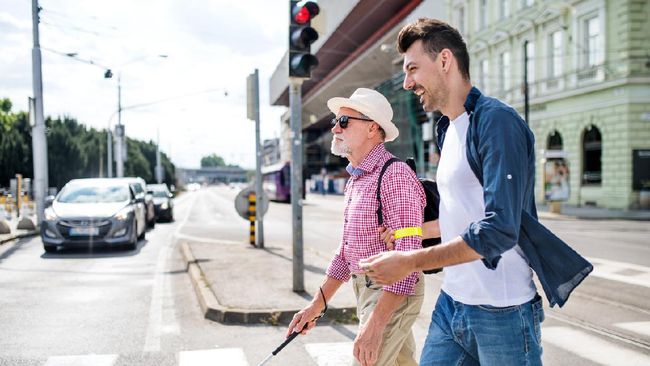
445,59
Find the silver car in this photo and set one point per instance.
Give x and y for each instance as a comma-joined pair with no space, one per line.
93,212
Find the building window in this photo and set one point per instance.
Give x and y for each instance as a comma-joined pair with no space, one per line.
591,154
592,42
483,74
530,61
504,69
460,19
504,9
482,14
555,49
554,141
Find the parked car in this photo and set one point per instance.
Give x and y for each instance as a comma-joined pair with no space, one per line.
92,212
163,201
140,188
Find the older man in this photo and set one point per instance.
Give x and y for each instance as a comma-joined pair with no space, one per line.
362,125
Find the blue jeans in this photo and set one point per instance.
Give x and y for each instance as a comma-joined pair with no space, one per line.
462,334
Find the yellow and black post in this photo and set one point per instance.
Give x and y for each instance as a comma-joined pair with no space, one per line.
251,216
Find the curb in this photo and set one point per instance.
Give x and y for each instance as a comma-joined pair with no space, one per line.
19,236
213,310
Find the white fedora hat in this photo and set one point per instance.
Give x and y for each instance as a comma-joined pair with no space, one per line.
371,103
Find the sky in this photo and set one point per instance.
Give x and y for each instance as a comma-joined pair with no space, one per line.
198,90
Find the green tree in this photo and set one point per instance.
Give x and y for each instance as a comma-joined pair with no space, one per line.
212,161
74,150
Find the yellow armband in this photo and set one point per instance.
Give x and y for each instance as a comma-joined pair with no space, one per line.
408,231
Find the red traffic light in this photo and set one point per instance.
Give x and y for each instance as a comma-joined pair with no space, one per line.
304,11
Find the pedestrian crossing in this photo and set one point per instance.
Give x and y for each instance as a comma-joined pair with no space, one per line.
585,345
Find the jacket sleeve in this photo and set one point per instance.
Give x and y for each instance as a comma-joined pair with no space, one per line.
503,151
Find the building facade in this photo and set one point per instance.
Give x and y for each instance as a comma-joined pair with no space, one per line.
587,65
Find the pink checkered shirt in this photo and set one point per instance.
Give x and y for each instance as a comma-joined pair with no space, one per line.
403,201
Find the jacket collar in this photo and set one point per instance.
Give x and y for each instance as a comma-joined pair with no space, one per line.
472,98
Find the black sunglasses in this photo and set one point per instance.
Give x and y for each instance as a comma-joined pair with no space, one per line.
343,121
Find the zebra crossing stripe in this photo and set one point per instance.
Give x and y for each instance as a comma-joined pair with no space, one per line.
592,348
82,360
330,354
212,357
629,273
642,328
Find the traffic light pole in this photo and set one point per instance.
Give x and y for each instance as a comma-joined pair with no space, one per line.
39,141
295,101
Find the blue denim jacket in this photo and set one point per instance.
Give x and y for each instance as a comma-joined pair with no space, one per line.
500,152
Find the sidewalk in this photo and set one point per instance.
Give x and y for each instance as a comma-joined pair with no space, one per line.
592,213
227,281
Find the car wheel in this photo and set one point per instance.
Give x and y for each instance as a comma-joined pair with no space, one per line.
133,243
50,248
142,236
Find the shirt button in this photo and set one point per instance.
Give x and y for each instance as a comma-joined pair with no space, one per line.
509,176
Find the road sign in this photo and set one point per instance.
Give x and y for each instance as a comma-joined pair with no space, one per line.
241,202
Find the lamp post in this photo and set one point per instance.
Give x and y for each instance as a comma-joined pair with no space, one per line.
120,155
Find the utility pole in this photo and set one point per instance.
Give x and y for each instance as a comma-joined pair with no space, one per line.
39,141
159,172
253,100
119,133
295,101
109,152
526,106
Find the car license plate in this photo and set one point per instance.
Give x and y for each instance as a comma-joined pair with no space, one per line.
84,231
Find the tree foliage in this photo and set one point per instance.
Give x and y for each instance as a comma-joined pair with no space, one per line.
73,151
212,161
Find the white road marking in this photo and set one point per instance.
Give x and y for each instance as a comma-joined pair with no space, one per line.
616,271
208,240
213,357
331,354
154,328
82,360
592,348
642,328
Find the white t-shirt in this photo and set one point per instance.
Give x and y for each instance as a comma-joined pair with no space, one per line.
461,203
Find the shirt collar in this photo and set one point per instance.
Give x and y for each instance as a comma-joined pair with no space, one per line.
369,162
472,98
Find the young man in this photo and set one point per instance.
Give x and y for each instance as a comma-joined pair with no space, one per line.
362,125
488,312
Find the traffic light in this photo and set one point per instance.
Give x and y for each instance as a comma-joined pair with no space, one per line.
301,36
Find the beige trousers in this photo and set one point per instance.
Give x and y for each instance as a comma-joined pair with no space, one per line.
398,345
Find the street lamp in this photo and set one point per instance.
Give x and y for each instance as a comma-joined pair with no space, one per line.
119,128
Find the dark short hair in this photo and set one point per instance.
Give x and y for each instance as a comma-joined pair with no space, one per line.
436,35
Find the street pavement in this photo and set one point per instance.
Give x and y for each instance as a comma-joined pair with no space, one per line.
149,306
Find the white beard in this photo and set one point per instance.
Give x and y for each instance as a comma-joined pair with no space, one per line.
340,148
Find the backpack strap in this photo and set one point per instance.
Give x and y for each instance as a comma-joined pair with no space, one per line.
380,214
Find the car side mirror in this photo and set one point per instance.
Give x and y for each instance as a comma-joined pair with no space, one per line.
49,200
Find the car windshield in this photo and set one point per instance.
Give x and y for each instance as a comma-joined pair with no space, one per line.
160,194
94,194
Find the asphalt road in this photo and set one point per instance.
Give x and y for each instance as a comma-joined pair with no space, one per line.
116,307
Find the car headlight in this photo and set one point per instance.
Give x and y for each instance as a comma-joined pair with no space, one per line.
164,205
50,214
123,214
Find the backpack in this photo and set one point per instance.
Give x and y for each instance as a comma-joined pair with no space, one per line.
431,211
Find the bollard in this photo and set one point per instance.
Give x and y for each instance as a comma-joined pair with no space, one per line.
251,216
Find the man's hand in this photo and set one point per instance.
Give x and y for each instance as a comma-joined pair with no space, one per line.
366,345
388,267
307,316
387,236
